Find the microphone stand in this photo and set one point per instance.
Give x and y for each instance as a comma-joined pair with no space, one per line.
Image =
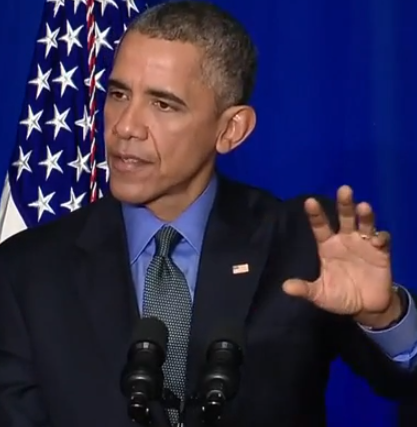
149,413
171,401
210,408
159,418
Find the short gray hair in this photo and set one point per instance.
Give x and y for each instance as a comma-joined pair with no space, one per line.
229,56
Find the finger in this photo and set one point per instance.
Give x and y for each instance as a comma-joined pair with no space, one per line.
318,220
366,219
346,210
300,288
382,241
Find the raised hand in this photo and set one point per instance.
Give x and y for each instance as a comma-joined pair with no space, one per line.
355,274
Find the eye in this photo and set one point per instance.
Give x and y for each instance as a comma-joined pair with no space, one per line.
117,95
163,106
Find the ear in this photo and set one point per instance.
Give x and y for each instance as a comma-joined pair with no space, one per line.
237,123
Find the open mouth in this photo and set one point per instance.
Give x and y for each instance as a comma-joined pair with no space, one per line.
128,163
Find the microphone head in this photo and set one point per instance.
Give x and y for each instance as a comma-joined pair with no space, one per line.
225,341
221,375
151,329
149,332
142,377
226,331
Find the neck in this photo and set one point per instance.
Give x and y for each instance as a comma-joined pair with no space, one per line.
171,206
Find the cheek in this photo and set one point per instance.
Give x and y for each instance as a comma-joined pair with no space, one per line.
107,111
183,145
113,113
110,117
172,136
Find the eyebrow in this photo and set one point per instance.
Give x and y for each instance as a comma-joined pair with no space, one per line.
157,93
165,94
117,84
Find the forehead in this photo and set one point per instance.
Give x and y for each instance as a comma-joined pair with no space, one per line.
152,61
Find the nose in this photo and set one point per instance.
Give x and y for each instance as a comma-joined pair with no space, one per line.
130,124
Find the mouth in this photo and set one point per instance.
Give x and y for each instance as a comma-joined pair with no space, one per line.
127,163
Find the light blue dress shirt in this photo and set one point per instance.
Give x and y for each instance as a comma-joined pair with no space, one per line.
398,342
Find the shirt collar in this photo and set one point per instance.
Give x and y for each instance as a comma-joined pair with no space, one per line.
141,224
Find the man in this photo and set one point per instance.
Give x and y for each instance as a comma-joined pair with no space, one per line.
177,241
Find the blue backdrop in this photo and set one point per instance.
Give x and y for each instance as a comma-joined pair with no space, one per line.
337,103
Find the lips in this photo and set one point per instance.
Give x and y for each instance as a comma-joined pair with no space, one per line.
128,163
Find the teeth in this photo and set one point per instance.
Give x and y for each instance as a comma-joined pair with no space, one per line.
130,160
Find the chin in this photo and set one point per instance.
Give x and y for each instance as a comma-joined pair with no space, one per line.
129,193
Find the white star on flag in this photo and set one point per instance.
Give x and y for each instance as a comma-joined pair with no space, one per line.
80,163
51,162
101,39
71,38
74,202
84,123
97,78
104,166
57,5
59,121
43,203
41,81
105,3
49,40
66,78
77,4
117,42
131,6
32,121
22,163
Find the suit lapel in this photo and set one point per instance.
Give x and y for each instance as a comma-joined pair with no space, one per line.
234,237
105,285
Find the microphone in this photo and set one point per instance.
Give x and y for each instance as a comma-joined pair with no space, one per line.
221,376
142,378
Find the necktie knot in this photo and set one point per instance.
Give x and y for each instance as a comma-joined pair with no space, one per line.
166,239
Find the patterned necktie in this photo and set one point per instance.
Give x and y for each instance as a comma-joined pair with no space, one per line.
167,297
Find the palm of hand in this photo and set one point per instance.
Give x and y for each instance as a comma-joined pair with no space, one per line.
355,276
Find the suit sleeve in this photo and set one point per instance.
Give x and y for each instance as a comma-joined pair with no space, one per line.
399,341
20,397
386,376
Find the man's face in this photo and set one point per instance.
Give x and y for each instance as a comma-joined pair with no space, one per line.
160,120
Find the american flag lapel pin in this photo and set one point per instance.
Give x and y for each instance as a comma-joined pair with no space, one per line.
240,269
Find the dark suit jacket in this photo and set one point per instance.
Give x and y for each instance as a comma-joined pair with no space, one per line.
67,309
407,413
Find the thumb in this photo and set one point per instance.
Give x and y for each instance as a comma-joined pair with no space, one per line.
299,288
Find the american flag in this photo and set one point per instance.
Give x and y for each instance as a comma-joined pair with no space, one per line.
58,164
